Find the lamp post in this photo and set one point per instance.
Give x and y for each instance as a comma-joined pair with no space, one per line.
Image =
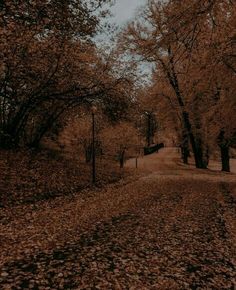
94,110
148,127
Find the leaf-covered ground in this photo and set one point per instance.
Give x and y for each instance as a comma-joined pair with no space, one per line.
172,228
28,177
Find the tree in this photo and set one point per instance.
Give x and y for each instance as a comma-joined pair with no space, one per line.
119,140
186,41
155,45
49,64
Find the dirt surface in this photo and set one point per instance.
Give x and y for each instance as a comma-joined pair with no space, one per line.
169,227
168,158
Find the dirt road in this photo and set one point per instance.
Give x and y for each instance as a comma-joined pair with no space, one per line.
165,160
168,159
170,227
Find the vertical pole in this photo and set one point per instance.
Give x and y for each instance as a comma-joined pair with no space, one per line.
93,149
148,129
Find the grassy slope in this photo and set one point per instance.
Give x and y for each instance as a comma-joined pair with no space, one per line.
27,177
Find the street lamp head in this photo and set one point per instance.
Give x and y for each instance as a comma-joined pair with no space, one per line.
94,109
147,113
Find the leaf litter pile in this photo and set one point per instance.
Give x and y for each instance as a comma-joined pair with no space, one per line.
159,231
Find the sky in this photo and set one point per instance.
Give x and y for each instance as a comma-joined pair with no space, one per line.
124,10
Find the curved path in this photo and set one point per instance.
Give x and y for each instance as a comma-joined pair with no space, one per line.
169,227
168,159
165,159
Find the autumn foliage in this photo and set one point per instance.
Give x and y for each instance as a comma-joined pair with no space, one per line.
52,71
49,65
192,47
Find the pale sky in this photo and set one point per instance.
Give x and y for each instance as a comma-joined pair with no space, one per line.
124,10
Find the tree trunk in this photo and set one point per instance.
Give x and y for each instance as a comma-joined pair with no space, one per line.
173,79
122,158
206,157
225,158
88,152
185,154
185,148
196,146
223,143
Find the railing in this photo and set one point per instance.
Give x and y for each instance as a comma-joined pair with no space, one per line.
153,149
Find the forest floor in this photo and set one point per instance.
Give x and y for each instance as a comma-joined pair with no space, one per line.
169,226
